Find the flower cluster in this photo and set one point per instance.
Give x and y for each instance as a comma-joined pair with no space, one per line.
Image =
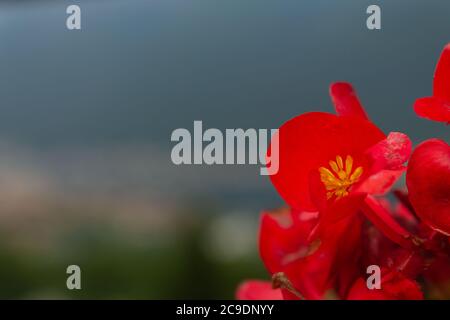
337,174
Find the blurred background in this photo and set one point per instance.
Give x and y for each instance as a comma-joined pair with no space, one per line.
86,117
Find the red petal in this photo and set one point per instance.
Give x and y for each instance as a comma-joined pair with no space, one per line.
310,141
336,211
380,182
387,159
382,219
359,291
346,101
284,248
348,248
311,268
258,290
394,287
437,107
428,181
433,109
333,266
283,237
441,84
391,153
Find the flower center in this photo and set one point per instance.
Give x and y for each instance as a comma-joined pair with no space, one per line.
338,181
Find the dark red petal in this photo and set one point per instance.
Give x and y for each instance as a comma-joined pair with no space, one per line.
345,100
433,109
441,84
258,290
359,291
333,266
382,219
402,196
312,268
438,273
309,141
428,182
348,247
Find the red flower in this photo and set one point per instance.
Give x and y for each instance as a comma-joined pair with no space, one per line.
327,145
328,157
258,290
428,181
324,158
437,107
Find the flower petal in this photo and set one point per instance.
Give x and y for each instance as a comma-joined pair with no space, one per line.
395,287
383,220
309,141
335,212
380,182
390,153
437,107
433,109
346,101
428,182
258,290
283,237
441,83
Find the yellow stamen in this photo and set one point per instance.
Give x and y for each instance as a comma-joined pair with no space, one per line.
338,183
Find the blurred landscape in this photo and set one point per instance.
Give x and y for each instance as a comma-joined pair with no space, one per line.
86,117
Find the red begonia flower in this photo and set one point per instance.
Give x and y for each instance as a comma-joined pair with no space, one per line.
258,290
332,146
324,158
394,286
428,182
437,107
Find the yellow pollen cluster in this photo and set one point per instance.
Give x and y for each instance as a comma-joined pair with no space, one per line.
339,182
